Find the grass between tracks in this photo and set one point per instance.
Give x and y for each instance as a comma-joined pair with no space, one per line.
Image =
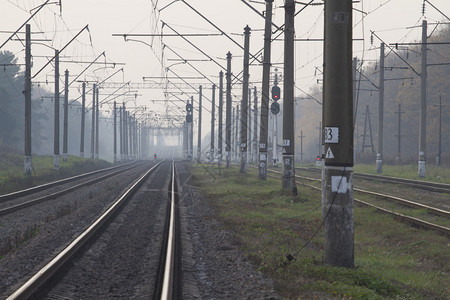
12,177
392,259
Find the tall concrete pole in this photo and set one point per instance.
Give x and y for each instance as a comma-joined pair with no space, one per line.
199,139
237,133
228,112
244,102
120,134
355,96
233,133
185,140
438,157
56,111
115,132
379,161
301,146
264,123
191,146
94,88
66,115
213,121
423,104
255,128
288,180
220,137
27,143
250,129
399,135
337,177
97,135
83,117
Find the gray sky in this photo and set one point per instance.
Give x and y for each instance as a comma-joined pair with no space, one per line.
390,19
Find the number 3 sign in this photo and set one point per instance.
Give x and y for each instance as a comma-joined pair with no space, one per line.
331,135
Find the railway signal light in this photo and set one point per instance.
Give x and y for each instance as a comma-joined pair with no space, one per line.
188,107
275,93
188,118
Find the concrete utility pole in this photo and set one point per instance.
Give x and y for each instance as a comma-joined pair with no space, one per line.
288,180
255,128
264,123
124,132
228,112
93,122
249,126
83,117
438,156
97,136
423,104
27,143
213,119
301,146
220,137
56,120
275,129
337,183
399,135
199,140
379,161
120,134
115,132
185,140
191,146
236,139
355,98
66,115
244,102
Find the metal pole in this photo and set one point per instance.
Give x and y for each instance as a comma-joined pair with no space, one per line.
66,115
379,161
244,103
56,120
199,139
264,123
83,118
27,144
438,157
120,134
255,128
220,137
97,137
237,133
423,104
115,132
249,126
301,146
337,177
213,111
399,136
93,122
288,180
191,149
228,112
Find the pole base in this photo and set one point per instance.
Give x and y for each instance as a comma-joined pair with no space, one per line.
337,211
243,162
422,169
56,162
379,164
28,167
262,166
288,180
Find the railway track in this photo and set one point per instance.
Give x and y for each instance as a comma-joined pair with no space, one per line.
424,185
409,219
110,237
25,198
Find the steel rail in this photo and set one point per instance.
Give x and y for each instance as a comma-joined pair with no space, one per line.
44,275
408,219
32,202
430,209
431,186
167,285
42,187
